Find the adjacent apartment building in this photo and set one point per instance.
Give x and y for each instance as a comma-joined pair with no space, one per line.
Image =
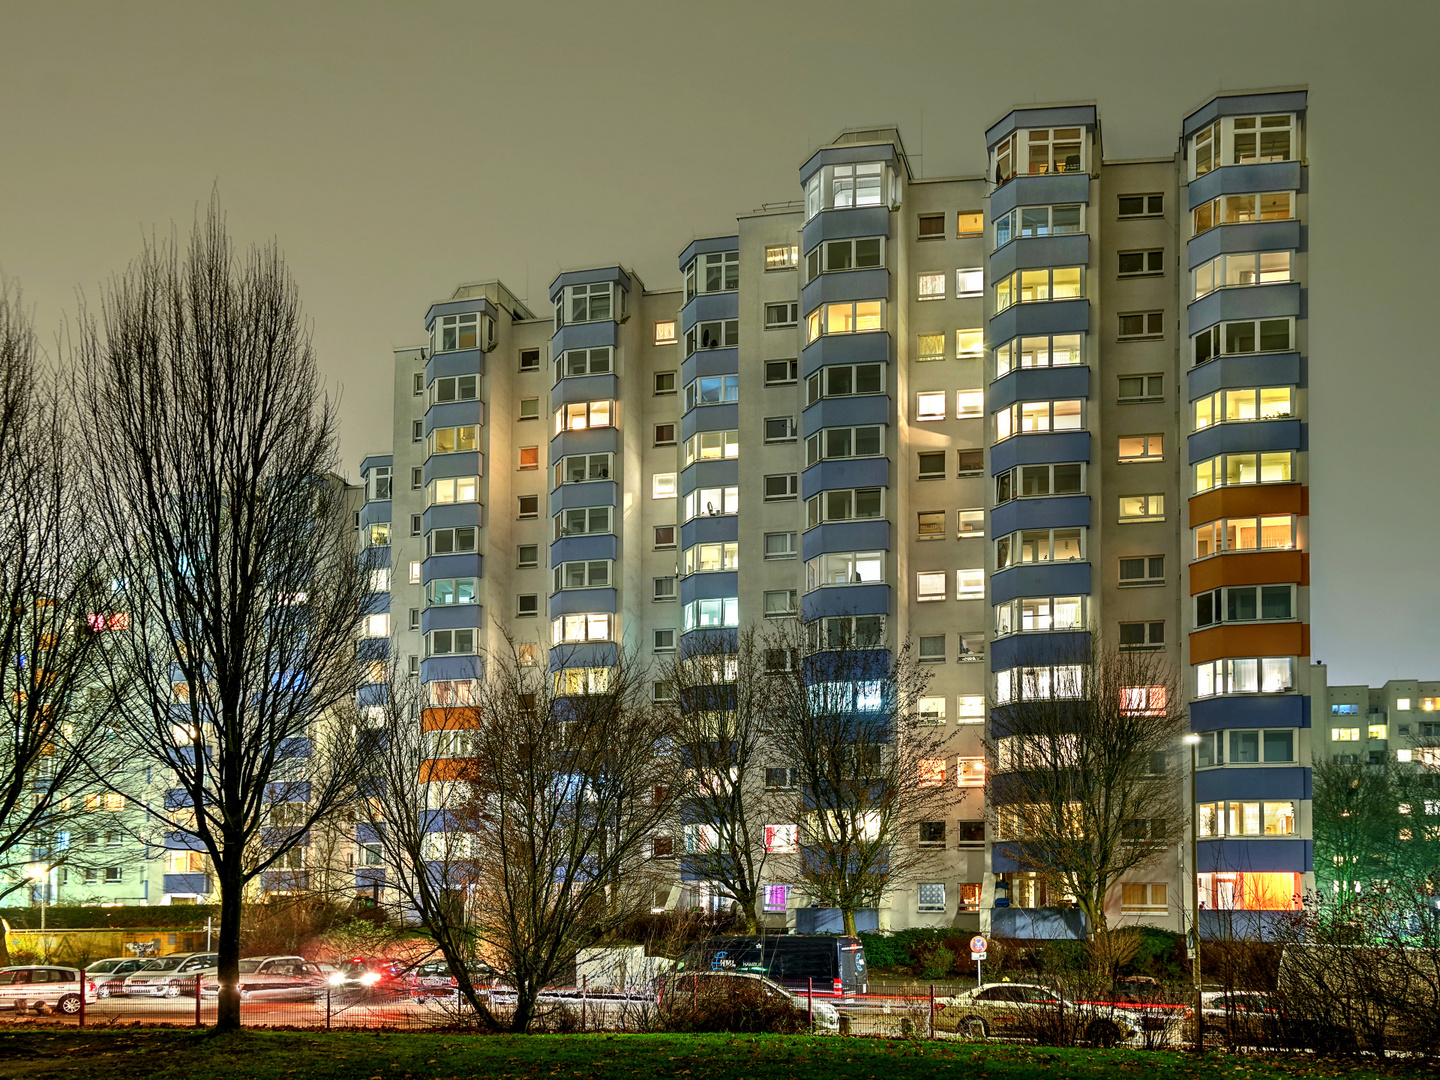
982,414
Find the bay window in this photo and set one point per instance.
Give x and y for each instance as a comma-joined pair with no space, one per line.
715,271
1033,481
454,489
1262,675
1243,140
839,187
1240,209
846,504
711,614
1234,470
589,574
1025,221
580,415
583,521
711,558
576,629
1040,546
845,568
1038,151
715,334
847,632
1032,286
1057,350
446,591
1244,603
1246,746
845,380
470,330
575,681
454,440
578,362
833,256
583,468
1271,533
1040,613
830,444
846,317
455,541
586,303
1059,682
712,502
1246,818
1034,417
452,642
712,446
1251,268
1230,406
712,390
455,388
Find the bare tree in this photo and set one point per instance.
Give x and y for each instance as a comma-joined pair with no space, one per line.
53,615
1082,786
720,705
572,775
233,544
844,713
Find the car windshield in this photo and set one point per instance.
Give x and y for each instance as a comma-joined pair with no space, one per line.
104,967
249,967
164,963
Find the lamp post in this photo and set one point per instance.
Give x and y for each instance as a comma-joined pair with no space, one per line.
1193,741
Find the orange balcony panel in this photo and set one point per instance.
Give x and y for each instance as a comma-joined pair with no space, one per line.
456,718
1250,568
1249,501
1250,639
438,769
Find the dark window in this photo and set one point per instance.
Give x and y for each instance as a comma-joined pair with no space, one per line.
529,359
1142,205
664,536
932,833
1135,263
931,465
932,226
970,832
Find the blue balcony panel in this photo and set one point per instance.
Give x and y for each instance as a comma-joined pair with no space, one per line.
282,791
1056,512
1243,105
715,586
372,648
708,640
372,695
868,348
366,833
444,466
584,388
705,246
847,412
708,307
597,654
453,414
1242,179
575,548
1038,384
585,335
1244,236
376,461
846,536
460,306
1239,438
1044,116
177,840
1040,579
871,284
1045,189
844,224
1228,925
590,493
847,155
590,277
1247,302
709,474
466,564
1250,711
1039,448
710,530
462,362
846,600
710,418
452,515
1252,782
451,617
368,878
373,513
854,472
1036,924
1029,252
1257,856
186,884
575,601
1041,317
443,668
708,362
604,440
1262,369
1030,650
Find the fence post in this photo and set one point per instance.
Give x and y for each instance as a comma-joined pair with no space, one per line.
83,989
810,1003
584,983
197,999
329,986
932,1010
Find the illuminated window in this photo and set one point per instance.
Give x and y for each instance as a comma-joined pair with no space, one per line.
712,502
575,629
1232,470
580,415
969,404
665,332
1231,271
454,489
1141,448
1037,417
451,642
1033,286
1144,896
970,709
931,772
711,614
782,256
1058,350
970,223
969,281
929,347
1275,533
712,446
969,344
969,584
1142,507
931,585
663,486
930,287
782,839
376,626
711,557
930,405
1143,700
970,772
529,458
1265,675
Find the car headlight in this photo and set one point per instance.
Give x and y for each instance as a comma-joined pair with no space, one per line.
370,978
336,978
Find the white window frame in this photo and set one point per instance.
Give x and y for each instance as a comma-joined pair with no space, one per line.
1039,351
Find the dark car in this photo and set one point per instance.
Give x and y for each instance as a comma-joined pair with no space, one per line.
373,976
436,977
834,965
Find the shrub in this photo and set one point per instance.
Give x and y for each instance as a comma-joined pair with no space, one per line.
728,1005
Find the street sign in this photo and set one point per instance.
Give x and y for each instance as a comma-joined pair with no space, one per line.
978,945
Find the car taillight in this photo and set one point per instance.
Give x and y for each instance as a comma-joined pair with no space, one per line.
838,986
92,986
454,981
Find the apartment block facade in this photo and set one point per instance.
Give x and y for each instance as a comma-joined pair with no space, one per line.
985,415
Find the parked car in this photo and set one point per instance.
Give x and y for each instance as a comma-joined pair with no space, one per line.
271,978
375,976
677,989
169,976
1027,1010
109,975
834,965
41,986
1242,1017
436,977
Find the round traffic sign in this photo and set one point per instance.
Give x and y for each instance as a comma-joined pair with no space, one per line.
977,944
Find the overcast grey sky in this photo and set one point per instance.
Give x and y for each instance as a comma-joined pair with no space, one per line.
396,149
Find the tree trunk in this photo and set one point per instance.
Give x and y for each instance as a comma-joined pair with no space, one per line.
227,1005
848,914
524,1006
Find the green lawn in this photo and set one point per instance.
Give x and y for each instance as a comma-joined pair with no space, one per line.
258,1055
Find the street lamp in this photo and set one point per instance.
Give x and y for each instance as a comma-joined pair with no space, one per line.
1193,741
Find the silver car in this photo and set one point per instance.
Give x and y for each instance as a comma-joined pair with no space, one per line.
109,975
168,976
272,977
1027,1010
40,986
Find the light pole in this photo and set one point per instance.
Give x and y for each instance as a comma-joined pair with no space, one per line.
1193,741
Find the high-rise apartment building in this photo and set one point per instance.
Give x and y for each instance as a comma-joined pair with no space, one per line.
985,415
